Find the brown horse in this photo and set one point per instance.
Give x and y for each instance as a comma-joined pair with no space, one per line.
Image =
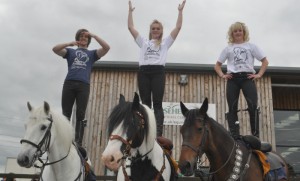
230,160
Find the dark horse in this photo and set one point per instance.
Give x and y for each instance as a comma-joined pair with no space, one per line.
230,160
132,148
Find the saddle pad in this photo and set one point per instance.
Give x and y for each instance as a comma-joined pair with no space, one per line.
264,161
273,159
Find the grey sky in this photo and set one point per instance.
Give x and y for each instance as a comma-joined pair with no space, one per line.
30,28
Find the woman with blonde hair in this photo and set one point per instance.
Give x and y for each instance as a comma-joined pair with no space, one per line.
152,60
240,75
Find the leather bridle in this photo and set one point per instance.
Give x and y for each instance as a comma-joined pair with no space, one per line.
126,151
128,142
45,141
39,153
199,151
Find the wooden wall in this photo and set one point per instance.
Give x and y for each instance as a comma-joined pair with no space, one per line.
107,85
285,98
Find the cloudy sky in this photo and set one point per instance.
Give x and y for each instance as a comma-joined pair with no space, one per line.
30,28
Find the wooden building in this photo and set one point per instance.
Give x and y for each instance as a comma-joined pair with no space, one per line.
277,89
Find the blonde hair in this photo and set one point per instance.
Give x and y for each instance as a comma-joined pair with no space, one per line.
236,26
162,29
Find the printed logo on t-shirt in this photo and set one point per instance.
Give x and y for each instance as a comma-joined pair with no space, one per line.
80,60
152,52
240,56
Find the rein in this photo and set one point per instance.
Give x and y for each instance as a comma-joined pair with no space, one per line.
39,153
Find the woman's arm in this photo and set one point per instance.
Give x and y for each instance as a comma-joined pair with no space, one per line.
131,28
176,30
60,49
263,68
105,47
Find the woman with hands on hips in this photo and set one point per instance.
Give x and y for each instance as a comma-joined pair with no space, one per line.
240,75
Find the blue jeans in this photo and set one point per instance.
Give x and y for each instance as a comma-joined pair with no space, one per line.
234,85
151,82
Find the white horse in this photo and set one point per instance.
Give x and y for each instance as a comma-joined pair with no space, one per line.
132,148
50,132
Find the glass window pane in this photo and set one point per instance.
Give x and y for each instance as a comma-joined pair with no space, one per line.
287,134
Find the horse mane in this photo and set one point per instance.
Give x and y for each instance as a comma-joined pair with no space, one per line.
123,113
64,127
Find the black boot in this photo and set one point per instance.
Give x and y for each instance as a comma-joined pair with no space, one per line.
254,121
234,127
159,116
79,132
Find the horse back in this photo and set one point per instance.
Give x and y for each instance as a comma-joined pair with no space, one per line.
273,165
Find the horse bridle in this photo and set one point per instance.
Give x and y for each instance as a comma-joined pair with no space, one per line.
128,142
199,150
39,153
234,175
126,151
45,141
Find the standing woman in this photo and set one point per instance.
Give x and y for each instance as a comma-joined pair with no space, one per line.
152,60
240,75
77,83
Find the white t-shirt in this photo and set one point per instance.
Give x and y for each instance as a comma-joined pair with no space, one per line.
240,57
152,54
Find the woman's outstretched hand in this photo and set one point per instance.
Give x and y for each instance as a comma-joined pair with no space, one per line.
181,6
130,6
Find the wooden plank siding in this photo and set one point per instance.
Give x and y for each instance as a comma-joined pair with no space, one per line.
108,82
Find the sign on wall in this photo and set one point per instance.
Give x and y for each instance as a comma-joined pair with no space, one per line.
173,115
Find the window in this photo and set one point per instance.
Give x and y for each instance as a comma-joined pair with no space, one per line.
287,135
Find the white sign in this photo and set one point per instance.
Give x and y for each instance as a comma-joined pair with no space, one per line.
173,115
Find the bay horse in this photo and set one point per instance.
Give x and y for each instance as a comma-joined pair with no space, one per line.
51,133
229,159
132,149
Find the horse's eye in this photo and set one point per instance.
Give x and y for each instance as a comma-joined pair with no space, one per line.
200,129
43,127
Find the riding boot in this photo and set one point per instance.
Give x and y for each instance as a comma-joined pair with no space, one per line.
234,126
79,132
254,121
159,116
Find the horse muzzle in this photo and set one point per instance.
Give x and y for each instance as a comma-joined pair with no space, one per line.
112,162
26,161
186,168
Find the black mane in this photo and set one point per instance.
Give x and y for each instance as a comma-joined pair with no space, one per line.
124,113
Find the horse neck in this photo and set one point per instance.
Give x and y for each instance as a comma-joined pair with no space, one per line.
61,139
221,147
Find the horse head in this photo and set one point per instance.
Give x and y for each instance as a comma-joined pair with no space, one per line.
37,135
194,133
41,130
128,131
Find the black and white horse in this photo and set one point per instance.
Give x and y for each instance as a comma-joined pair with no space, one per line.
132,147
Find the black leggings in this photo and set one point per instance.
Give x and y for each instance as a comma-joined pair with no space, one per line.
234,85
151,82
75,90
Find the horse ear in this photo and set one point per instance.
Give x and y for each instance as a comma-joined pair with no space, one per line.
29,106
204,106
122,99
184,109
136,102
46,107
